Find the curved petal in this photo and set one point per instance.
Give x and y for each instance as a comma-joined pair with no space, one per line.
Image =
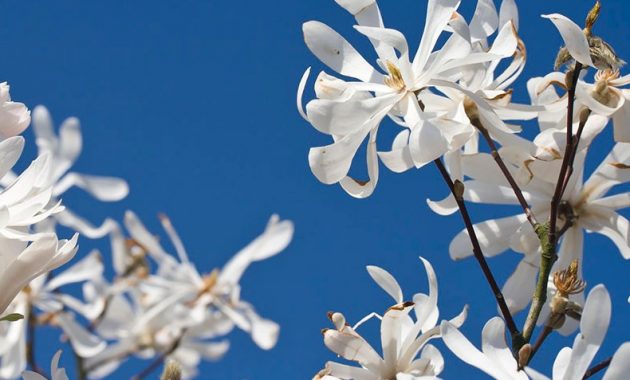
84,344
386,281
494,237
106,189
612,225
620,363
439,12
573,37
593,327
331,163
334,51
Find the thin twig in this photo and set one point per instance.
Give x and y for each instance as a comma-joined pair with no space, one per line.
574,149
596,368
541,338
30,346
159,360
508,176
557,196
485,268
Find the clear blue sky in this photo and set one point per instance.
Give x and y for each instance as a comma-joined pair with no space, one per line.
193,102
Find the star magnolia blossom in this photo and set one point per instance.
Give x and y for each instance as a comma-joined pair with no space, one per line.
54,307
22,204
63,151
352,111
572,363
176,312
14,116
403,339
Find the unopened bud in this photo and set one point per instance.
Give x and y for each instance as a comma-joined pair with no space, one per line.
592,16
523,355
458,190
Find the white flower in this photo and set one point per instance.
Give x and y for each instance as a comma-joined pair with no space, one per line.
63,151
220,288
56,372
14,116
53,305
572,363
352,111
402,338
496,357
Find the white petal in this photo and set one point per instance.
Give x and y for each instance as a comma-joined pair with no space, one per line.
593,327
386,281
334,51
612,225
573,37
353,347
84,344
485,20
10,151
106,189
426,143
300,93
331,163
620,364
508,12
272,241
518,289
429,313
494,237
439,12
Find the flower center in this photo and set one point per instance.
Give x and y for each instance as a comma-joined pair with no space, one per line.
395,79
602,92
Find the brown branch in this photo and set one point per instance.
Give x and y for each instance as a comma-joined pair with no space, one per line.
485,268
508,176
596,368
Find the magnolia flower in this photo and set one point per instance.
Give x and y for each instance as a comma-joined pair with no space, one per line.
42,299
166,328
403,339
56,373
572,363
220,288
350,111
63,151
14,116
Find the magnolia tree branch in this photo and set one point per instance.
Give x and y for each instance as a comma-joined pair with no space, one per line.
596,368
485,268
30,346
508,176
547,233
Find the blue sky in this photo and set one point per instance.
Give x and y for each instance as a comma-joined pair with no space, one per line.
193,102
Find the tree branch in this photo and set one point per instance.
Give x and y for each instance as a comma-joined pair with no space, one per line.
517,339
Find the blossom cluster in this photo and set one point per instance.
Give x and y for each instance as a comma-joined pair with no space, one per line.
451,105
158,306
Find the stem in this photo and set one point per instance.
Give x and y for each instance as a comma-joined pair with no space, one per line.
30,346
547,233
516,335
575,143
541,338
81,372
547,258
508,176
596,368
557,196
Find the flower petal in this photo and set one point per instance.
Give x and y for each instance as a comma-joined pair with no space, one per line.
573,37
386,281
